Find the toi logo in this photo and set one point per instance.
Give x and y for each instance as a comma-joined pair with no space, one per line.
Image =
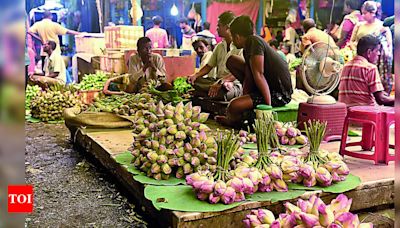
20,198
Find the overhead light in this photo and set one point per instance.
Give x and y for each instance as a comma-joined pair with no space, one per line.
174,10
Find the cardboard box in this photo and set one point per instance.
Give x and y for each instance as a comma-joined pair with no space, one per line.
122,36
92,43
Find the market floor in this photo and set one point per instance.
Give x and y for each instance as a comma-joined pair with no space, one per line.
71,191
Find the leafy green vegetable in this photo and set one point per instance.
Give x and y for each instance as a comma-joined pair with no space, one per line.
181,85
92,82
295,63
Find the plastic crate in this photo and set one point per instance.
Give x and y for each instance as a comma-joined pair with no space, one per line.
122,36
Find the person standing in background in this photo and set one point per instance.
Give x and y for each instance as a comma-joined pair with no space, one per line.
290,36
188,34
157,35
353,16
48,30
207,35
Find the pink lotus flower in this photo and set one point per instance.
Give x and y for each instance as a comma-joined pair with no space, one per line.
275,224
202,136
207,187
289,166
288,220
229,196
276,172
219,188
323,176
265,179
312,181
255,176
326,216
241,171
213,199
251,221
337,178
265,187
202,196
331,165
306,170
309,220
281,131
343,169
347,219
265,216
248,186
317,203
304,205
280,185
236,183
239,197
290,208
340,204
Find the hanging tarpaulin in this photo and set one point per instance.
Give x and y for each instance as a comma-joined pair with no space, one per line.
100,12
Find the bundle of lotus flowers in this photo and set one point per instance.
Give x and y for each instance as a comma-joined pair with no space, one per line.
271,173
308,213
289,135
246,137
243,158
172,140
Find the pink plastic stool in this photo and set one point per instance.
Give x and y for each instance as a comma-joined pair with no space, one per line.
376,121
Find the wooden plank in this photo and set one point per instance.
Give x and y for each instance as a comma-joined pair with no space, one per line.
377,186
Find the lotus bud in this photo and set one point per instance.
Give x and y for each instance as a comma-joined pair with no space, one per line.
343,169
172,129
229,196
276,172
152,119
278,124
203,117
301,139
179,108
187,157
310,182
337,178
340,204
178,117
195,161
248,186
331,166
255,176
334,225
196,110
179,152
204,127
347,219
170,139
280,185
162,159
306,170
168,114
181,161
207,186
265,216
202,196
281,131
323,176
135,152
309,220
147,143
179,173
166,168
213,199
180,135
157,176
187,168
239,197
314,209
289,166
284,140
152,156
211,160
172,162
187,114
188,147
291,132
219,188
147,122
145,133
236,183
292,141
210,142
193,133
160,105
248,160
155,168
334,157
195,142
305,206
137,162
162,149
154,144
192,177
169,107
168,122
326,216
195,152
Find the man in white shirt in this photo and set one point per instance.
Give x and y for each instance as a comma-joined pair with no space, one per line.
207,35
54,67
224,86
201,46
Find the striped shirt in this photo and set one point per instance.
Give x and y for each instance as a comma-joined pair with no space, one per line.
358,82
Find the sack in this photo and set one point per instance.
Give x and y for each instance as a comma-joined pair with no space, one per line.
75,118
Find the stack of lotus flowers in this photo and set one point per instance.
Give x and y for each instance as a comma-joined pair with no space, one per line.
289,135
172,140
240,158
246,137
308,213
272,174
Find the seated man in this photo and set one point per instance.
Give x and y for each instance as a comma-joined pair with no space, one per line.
202,51
54,68
223,87
143,66
264,74
313,35
360,83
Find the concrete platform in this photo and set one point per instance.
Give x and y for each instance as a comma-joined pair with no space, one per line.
377,188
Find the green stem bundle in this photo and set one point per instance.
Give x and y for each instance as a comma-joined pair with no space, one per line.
227,144
263,128
315,131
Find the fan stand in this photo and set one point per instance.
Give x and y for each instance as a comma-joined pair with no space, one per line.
321,99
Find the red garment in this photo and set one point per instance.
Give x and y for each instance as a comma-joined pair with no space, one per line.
158,37
249,8
358,81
